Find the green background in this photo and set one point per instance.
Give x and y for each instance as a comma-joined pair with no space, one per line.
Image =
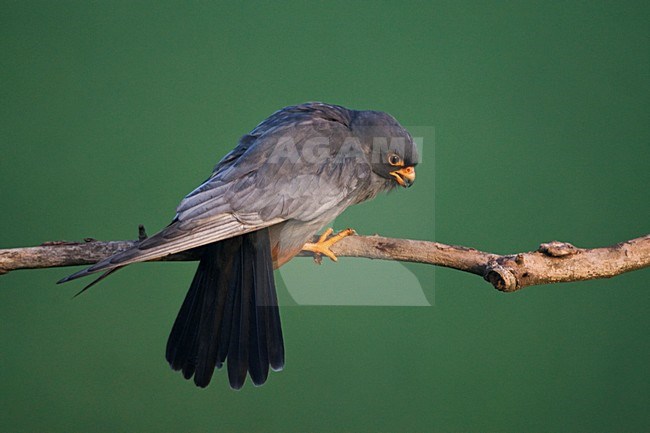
113,111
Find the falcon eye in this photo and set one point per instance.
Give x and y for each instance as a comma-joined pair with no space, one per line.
394,159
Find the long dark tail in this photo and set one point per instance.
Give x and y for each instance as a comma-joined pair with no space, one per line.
230,312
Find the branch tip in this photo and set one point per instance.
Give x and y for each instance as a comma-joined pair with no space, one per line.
142,233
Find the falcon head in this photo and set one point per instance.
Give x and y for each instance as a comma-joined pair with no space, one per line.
387,146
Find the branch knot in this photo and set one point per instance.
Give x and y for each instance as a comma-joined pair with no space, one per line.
501,277
558,249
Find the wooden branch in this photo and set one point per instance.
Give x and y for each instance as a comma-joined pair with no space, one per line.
552,262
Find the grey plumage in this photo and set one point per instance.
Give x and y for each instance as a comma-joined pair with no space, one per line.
296,171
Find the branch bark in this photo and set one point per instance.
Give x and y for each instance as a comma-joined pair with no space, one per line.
552,262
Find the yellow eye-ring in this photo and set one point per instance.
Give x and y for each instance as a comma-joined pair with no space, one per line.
394,159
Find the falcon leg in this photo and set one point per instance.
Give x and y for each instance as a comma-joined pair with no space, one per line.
325,241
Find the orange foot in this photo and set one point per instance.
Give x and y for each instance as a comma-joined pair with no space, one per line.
322,246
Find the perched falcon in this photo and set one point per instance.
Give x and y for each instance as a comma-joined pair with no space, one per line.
265,200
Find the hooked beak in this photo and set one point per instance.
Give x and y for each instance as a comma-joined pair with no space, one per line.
404,176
